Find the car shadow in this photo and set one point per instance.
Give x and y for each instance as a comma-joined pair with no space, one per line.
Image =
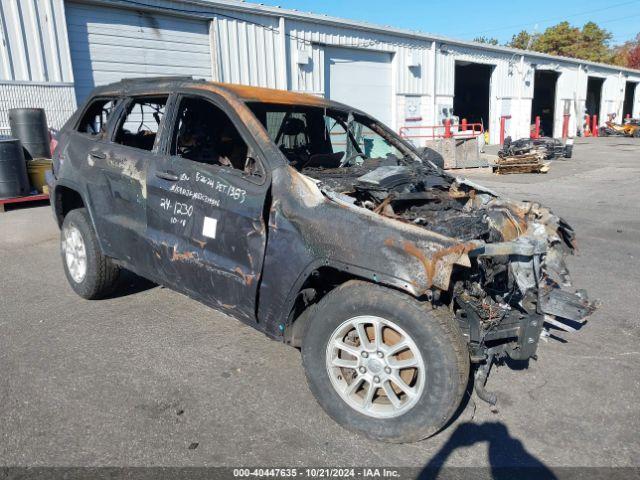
130,284
508,458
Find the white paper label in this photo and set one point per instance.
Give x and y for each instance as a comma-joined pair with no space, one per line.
209,227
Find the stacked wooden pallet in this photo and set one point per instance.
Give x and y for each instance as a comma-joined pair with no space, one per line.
526,163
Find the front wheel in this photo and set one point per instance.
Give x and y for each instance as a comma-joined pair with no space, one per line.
381,363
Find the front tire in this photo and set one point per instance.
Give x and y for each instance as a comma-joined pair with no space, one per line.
89,272
383,364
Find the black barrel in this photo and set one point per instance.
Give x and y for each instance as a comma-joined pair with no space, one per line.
14,181
29,125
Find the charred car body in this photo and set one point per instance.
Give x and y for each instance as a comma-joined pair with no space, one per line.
319,226
549,148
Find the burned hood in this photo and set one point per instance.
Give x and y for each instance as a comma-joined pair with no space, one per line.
489,233
422,196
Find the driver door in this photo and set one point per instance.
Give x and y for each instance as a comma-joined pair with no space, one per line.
207,209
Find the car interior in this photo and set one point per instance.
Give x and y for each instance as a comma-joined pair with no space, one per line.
313,137
94,120
205,134
139,127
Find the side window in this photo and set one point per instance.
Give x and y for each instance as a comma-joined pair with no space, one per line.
94,121
205,134
139,126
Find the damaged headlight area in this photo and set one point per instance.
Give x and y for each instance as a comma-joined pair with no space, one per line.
512,290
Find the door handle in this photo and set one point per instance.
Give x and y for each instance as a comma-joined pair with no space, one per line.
171,177
98,155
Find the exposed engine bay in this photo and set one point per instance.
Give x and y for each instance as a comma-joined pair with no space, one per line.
516,250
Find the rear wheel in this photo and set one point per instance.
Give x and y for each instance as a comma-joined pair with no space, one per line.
381,363
89,272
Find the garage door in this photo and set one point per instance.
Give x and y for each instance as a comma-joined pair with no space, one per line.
361,79
108,44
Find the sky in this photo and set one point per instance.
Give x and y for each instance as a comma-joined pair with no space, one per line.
466,19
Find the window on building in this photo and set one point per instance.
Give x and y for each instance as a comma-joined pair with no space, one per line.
94,121
204,133
139,127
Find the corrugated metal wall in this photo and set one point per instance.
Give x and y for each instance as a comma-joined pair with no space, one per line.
108,44
262,48
249,51
312,37
34,47
636,96
506,96
612,96
35,66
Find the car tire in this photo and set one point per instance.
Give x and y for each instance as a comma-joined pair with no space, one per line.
89,272
441,354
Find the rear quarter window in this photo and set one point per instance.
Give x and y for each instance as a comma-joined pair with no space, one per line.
94,119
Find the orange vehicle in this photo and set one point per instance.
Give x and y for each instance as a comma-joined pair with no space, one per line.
630,128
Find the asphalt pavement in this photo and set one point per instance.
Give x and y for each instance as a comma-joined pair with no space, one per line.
151,377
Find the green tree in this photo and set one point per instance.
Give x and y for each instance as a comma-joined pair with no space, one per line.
588,43
489,40
561,39
594,43
523,40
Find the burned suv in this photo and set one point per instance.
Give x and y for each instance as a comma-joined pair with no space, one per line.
314,223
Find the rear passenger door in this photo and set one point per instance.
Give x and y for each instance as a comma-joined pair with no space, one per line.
121,196
206,203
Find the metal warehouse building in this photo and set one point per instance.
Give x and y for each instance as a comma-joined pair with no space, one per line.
53,52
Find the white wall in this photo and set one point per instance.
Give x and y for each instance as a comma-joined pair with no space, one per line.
34,46
260,47
35,66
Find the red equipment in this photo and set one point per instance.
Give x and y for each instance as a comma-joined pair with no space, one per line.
503,122
587,127
432,132
536,131
447,128
565,125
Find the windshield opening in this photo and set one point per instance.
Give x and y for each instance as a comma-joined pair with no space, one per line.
315,137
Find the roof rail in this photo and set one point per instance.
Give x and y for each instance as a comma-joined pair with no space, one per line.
157,79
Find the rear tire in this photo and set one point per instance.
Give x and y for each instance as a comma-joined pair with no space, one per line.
89,272
424,397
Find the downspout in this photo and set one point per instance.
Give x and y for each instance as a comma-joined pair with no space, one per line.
433,82
283,80
622,87
520,99
576,100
